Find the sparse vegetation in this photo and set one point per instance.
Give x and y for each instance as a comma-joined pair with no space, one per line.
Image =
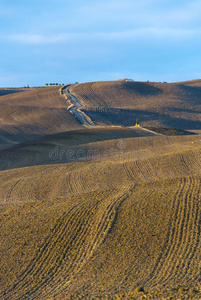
53,84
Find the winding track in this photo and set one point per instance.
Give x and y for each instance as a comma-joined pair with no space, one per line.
74,108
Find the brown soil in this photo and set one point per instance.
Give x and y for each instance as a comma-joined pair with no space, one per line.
176,105
28,115
119,217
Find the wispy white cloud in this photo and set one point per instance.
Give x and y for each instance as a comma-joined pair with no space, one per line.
37,39
63,38
92,37
100,18
149,32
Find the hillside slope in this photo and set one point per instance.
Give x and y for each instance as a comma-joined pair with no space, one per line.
105,227
10,91
93,144
101,213
154,104
27,115
147,162
70,146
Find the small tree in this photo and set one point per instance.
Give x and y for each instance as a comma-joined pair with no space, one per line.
137,122
46,84
56,83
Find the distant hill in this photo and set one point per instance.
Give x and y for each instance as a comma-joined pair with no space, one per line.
33,113
10,91
176,105
195,82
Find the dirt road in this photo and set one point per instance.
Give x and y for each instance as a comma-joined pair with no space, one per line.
75,108
85,120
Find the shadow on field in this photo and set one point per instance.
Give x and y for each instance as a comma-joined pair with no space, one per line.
177,118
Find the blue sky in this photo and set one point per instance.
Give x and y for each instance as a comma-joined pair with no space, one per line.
72,40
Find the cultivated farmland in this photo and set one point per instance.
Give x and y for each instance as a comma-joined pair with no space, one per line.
34,113
102,212
174,105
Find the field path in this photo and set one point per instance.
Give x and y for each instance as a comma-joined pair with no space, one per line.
75,108
85,120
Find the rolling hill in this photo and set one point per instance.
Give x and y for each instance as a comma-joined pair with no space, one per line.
67,146
34,113
105,226
104,212
175,105
10,91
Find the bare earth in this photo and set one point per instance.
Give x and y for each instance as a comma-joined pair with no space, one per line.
101,212
175,105
34,113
